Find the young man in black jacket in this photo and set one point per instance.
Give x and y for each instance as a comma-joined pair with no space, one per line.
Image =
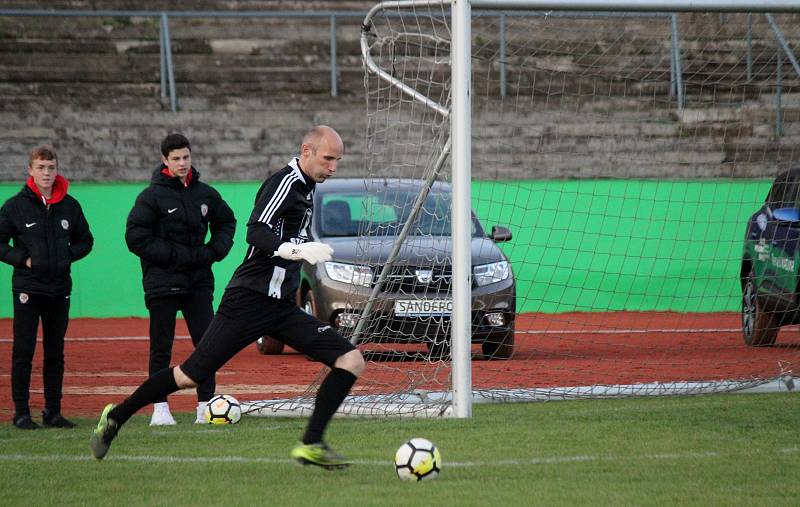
49,233
260,300
167,230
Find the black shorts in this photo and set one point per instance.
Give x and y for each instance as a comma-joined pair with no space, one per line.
244,316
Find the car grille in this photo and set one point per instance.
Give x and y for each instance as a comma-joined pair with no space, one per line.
417,280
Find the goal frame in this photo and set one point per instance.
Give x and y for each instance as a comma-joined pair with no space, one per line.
460,116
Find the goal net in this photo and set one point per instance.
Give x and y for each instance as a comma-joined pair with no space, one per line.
616,160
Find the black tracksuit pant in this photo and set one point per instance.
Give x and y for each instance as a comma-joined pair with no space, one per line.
198,310
53,311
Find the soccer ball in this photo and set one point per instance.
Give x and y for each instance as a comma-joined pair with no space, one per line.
223,409
417,460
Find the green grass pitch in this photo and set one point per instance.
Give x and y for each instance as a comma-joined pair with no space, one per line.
736,449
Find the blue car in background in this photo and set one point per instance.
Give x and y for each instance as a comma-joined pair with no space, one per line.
770,263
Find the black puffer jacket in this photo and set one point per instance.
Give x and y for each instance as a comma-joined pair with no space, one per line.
52,236
167,230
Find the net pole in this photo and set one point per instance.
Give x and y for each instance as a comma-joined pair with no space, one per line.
401,238
461,131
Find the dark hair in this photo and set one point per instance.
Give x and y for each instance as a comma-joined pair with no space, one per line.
174,142
43,152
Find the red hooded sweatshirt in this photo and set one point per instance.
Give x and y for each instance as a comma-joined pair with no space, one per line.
60,186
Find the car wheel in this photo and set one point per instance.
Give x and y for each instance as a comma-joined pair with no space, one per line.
499,345
759,328
269,346
309,304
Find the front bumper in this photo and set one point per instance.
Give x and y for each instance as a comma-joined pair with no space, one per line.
336,299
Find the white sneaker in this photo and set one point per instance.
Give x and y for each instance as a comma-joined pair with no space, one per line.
201,413
161,415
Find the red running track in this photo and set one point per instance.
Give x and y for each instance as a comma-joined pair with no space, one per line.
107,358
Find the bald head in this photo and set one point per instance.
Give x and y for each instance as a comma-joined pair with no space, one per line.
315,136
321,150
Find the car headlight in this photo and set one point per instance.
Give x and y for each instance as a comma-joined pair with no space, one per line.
349,273
490,273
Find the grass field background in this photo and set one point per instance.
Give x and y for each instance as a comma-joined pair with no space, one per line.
583,245
736,449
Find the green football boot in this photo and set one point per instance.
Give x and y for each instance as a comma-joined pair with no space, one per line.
103,434
319,454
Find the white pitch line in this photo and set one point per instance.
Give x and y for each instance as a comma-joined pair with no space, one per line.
100,339
687,330
457,464
531,332
632,331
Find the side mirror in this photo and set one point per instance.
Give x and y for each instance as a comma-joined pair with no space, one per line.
500,233
791,215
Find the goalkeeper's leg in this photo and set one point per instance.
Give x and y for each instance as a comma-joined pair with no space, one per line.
222,340
320,341
113,417
332,392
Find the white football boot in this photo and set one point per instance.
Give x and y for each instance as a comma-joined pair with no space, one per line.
201,413
162,415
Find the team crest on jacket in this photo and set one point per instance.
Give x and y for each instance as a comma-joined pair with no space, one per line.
204,209
65,224
23,298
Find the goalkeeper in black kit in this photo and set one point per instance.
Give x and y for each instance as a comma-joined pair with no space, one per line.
260,300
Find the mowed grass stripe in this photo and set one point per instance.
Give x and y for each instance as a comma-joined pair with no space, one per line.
460,464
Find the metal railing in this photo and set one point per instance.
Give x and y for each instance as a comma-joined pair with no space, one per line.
676,88
167,68
165,51
783,48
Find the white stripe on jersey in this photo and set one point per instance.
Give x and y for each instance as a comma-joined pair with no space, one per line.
277,198
278,274
295,165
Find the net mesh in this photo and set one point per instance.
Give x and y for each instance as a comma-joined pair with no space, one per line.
626,208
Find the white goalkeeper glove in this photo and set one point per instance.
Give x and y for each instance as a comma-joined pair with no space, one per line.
311,252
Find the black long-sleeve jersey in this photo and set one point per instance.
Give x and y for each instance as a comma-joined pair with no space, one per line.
282,213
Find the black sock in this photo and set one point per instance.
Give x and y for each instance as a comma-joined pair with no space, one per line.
331,394
157,386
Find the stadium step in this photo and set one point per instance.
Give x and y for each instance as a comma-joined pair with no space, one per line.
246,89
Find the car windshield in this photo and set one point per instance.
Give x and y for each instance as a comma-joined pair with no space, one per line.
383,213
785,191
